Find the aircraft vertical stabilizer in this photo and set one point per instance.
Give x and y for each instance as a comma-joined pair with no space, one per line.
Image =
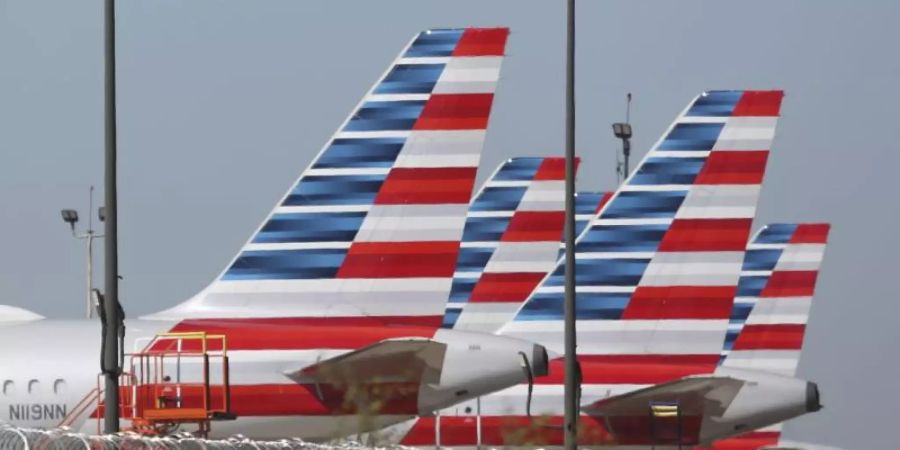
658,266
371,230
515,223
771,309
768,323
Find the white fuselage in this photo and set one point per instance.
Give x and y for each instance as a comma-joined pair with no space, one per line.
50,367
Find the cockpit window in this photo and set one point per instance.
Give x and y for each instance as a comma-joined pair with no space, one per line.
59,386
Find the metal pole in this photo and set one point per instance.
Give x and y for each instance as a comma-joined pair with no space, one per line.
90,273
437,430
90,249
90,253
571,387
478,423
111,297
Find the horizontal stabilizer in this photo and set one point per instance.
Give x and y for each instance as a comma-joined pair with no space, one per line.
412,375
16,314
708,396
399,360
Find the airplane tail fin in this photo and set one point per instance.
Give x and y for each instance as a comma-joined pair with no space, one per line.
657,268
510,241
372,228
771,308
505,265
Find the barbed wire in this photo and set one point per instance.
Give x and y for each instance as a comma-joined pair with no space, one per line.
15,438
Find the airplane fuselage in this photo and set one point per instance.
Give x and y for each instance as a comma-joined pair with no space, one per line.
50,373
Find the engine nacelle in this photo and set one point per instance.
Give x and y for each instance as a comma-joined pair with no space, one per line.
764,399
476,364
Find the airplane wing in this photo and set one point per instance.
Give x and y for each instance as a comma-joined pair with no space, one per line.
705,395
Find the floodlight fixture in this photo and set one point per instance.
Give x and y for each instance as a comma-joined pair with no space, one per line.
622,130
70,216
101,213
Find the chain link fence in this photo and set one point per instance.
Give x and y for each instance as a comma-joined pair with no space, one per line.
12,438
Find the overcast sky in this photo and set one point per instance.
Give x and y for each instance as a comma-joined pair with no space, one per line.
222,103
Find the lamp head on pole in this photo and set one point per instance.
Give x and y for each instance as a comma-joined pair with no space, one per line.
622,130
70,216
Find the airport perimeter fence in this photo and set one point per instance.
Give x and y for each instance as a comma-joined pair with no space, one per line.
13,438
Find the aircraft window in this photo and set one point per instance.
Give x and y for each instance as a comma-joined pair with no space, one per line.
9,387
59,386
34,386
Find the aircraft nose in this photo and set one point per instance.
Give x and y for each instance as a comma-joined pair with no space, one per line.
813,401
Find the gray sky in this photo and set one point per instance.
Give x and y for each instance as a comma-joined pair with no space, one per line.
222,103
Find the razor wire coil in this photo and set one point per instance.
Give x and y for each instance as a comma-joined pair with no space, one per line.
16,438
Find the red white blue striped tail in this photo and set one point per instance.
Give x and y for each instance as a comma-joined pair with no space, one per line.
373,226
658,267
510,242
510,198
771,309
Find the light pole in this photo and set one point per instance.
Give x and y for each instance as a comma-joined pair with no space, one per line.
70,216
110,364
622,130
573,370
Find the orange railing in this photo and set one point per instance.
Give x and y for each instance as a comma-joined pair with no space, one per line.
150,396
164,393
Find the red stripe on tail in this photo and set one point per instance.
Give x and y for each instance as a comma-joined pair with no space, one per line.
603,201
770,337
553,169
400,260
791,283
734,168
759,103
482,42
505,287
680,302
698,235
455,112
427,186
534,226
811,233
